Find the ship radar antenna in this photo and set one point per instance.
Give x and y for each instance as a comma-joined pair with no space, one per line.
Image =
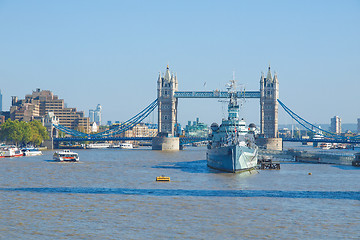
231,86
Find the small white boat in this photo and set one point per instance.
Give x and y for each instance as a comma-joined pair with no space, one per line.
31,152
98,145
66,156
12,152
126,146
325,146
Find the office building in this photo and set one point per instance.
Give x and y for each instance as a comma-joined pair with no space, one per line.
4,115
335,125
37,105
196,129
95,115
91,116
139,130
27,109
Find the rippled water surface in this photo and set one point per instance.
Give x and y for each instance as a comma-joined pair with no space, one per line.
112,194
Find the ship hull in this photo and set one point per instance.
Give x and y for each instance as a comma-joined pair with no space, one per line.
232,158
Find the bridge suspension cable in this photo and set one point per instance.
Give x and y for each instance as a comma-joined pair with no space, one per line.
114,131
70,131
308,125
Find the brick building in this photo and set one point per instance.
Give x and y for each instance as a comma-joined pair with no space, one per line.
41,102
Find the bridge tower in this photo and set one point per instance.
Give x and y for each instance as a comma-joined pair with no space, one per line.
269,93
49,121
167,103
167,85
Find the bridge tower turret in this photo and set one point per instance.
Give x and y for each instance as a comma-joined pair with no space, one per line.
269,93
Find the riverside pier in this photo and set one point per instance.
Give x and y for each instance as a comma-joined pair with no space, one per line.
310,156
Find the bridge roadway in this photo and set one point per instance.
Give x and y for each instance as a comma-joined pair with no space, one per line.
215,94
185,140
350,141
77,139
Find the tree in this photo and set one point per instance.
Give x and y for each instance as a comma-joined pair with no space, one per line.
37,125
22,132
39,132
27,133
11,131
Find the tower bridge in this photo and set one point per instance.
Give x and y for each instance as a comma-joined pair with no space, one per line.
167,100
168,97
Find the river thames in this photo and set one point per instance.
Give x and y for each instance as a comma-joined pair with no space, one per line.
112,194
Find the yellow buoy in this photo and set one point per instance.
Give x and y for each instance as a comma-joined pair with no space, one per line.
163,179
309,173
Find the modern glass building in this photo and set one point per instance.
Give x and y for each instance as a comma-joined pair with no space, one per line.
196,129
95,115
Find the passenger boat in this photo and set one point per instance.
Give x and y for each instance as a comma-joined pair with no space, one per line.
341,146
98,145
66,156
12,152
31,152
318,136
126,146
232,146
325,146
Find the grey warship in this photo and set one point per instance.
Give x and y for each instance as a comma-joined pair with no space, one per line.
232,146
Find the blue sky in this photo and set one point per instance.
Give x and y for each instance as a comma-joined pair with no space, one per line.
111,52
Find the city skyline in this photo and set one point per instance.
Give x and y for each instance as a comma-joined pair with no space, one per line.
112,54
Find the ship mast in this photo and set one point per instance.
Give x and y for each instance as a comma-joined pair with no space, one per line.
233,108
231,88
